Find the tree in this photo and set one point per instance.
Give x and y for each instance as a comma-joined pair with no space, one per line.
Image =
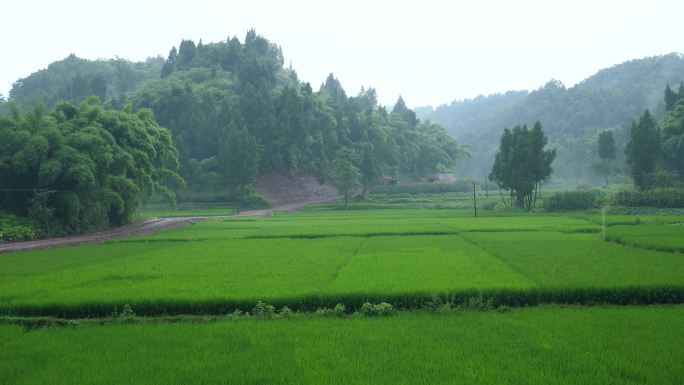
643,151
522,162
238,160
84,168
345,173
606,152
672,131
606,145
368,167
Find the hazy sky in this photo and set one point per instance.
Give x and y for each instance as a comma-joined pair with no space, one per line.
431,52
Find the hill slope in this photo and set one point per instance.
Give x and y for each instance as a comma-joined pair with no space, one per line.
231,97
571,116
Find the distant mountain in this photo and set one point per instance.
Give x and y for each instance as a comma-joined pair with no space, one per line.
572,117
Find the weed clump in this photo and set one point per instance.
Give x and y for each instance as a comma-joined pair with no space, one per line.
337,312
380,310
263,311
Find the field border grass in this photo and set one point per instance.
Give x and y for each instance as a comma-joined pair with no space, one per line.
643,295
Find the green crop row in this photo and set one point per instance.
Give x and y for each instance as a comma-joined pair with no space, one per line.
572,200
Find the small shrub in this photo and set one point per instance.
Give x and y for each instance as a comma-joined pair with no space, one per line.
127,314
338,311
16,233
263,311
503,309
479,303
380,310
285,312
236,314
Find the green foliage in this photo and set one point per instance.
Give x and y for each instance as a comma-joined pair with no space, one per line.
230,84
660,198
572,116
263,311
204,93
127,314
672,97
522,163
338,311
643,151
74,79
238,158
345,173
382,309
672,137
423,188
606,145
573,200
83,168
16,234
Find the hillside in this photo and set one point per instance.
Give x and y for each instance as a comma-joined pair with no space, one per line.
233,107
571,116
73,79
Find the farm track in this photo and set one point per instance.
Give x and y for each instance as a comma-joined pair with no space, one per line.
146,227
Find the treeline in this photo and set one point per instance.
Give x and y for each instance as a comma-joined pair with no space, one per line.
74,79
205,93
232,111
208,92
83,168
655,151
572,116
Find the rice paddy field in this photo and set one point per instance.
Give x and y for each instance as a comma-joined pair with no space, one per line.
593,299
312,259
540,345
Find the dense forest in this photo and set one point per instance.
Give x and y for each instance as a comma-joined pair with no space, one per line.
572,117
233,110
204,92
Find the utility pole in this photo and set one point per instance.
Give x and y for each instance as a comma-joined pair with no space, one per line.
486,187
474,200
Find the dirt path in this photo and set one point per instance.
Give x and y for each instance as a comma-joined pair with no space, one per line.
146,227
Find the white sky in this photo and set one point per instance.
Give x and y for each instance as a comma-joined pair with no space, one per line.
431,52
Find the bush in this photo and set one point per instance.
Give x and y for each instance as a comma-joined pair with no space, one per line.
263,311
660,198
380,310
16,234
338,311
573,200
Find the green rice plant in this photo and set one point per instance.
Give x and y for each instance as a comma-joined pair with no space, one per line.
536,346
669,237
319,259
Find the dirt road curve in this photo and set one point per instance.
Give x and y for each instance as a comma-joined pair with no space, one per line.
146,227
